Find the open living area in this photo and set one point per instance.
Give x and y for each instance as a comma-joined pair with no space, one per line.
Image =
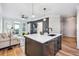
39,29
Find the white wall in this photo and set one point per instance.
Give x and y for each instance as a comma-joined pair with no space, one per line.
55,24
0,25
11,13
11,21
78,27
0,18
17,9
69,27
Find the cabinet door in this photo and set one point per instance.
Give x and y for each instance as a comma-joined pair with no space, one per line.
59,42
33,27
33,48
48,49
39,27
56,45
46,25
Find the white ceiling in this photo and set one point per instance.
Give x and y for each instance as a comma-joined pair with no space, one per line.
17,9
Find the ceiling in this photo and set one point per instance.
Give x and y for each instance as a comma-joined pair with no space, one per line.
17,9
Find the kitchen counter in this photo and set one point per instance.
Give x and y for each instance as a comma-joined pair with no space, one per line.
42,38
42,45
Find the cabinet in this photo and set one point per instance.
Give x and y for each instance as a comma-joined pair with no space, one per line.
33,27
50,48
38,26
33,48
53,22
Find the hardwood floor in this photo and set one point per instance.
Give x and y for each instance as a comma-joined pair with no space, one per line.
15,51
69,41
68,49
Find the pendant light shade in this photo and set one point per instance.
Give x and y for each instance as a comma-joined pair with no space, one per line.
33,16
44,19
44,14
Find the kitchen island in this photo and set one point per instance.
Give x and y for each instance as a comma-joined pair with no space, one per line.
42,45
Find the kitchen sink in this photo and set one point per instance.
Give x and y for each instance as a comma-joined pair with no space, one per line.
52,35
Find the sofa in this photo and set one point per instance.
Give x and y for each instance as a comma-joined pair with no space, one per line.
6,40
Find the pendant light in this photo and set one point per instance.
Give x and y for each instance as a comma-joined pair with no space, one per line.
44,14
33,16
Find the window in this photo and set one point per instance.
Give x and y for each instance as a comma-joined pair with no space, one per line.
16,28
24,27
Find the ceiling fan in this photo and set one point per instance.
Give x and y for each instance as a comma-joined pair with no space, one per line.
23,16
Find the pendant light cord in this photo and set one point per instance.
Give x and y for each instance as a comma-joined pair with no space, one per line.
32,9
44,11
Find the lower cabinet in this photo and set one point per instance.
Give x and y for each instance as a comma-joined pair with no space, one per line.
48,49
52,47
34,48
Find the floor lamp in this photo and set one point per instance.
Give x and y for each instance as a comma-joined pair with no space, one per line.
11,32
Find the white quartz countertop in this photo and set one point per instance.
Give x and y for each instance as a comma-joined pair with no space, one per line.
41,38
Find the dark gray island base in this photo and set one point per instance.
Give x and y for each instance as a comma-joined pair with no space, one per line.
49,48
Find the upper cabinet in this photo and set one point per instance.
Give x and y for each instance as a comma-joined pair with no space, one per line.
33,27
50,25
38,26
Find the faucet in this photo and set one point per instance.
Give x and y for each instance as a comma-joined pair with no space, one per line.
49,30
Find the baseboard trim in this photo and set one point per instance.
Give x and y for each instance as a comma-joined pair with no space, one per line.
69,36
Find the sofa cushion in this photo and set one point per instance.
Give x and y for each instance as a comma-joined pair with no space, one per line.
14,42
4,44
5,40
3,37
